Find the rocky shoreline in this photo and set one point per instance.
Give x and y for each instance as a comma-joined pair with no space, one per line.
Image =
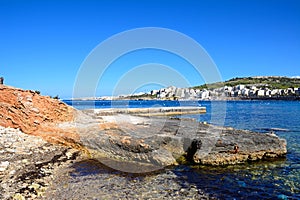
156,142
90,179
28,164
31,168
48,139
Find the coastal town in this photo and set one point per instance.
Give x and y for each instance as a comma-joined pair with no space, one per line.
239,91
225,92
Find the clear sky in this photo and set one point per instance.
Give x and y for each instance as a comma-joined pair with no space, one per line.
43,43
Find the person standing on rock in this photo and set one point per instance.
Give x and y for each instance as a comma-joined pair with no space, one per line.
1,80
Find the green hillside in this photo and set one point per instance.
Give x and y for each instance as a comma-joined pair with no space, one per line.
271,82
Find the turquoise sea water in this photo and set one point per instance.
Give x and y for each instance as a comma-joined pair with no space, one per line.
277,179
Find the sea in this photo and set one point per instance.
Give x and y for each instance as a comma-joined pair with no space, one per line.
272,179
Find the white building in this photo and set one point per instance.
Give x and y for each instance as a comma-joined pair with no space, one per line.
240,87
275,92
261,93
204,94
245,92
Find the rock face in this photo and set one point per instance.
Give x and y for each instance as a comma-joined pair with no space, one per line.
27,110
36,115
27,162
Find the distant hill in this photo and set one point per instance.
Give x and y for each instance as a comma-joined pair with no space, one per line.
272,82
258,87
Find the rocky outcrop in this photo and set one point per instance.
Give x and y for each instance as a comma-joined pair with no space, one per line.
36,115
27,110
122,141
27,162
133,143
140,144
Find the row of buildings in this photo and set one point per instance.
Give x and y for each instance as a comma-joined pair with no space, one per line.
239,91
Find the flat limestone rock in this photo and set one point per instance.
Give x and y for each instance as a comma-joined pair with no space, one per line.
139,144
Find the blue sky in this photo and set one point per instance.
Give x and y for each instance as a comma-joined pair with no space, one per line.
44,43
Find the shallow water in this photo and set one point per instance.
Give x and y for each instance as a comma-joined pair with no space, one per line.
272,180
279,179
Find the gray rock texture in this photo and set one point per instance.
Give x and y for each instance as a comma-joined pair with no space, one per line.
28,163
31,168
140,144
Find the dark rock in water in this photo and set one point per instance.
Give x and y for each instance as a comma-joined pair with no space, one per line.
152,143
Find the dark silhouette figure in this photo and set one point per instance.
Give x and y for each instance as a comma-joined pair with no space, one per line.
1,80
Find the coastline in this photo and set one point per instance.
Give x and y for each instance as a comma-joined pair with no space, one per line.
283,98
271,87
32,168
51,151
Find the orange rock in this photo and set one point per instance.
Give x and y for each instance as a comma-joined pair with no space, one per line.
108,126
28,111
37,115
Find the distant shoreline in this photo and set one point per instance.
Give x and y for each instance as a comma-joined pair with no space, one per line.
221,99
248,88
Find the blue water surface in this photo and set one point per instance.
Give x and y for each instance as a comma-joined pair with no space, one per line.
277,179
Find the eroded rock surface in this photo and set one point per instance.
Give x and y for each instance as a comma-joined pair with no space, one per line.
161,141
37,115
28,111
152,141
28,164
